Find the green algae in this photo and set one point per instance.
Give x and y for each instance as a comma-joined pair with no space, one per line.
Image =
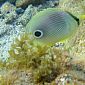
44,62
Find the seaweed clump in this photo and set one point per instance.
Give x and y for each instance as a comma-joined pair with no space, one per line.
44,63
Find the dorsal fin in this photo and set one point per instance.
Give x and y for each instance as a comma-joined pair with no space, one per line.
77,19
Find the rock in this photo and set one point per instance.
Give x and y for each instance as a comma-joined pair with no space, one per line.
25,3
29,12
7,8
52,3
7,37
3,28
12,1
37,2
73,6
19,10
22,3
8,12
10,17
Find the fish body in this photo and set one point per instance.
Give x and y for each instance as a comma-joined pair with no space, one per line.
52,25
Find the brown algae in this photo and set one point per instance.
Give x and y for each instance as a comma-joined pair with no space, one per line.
43,62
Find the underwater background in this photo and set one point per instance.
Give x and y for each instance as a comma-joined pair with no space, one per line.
24,63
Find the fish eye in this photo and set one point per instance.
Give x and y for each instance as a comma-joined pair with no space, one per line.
38,33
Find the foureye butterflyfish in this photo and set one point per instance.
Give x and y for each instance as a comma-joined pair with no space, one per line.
52,25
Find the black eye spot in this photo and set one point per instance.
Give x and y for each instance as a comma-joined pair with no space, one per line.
38,33
8,12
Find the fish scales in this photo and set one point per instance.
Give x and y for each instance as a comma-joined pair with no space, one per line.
51,26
